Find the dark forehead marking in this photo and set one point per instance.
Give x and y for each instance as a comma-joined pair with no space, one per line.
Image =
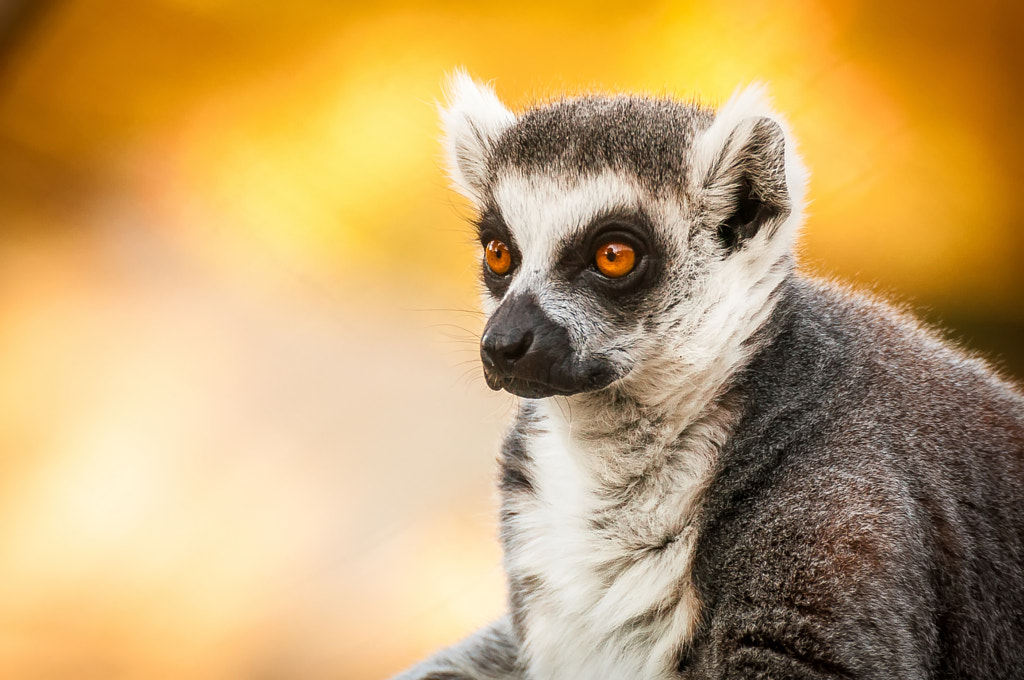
645,137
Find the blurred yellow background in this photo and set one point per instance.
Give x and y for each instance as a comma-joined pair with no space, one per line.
242,429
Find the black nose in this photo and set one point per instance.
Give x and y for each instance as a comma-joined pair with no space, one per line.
501,350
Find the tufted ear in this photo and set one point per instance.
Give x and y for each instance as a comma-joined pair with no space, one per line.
472,119
748,175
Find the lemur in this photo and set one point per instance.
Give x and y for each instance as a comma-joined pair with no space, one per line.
720,467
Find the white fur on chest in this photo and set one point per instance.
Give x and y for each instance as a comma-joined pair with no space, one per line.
610,566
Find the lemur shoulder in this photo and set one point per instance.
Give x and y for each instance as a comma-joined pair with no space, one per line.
720,468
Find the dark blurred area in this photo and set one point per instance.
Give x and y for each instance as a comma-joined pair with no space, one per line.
243,431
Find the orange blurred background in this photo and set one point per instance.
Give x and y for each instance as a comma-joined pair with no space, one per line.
242,429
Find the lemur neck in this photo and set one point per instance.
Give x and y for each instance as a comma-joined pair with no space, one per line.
631,421
618,440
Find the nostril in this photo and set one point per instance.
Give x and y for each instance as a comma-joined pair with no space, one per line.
515,352
503,351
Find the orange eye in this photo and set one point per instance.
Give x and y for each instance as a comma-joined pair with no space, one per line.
615,259
498,257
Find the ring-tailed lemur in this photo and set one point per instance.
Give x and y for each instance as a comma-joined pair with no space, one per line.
720,468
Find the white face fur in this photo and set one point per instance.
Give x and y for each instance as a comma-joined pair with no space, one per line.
712,223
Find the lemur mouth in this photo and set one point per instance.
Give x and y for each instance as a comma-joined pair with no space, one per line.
591,379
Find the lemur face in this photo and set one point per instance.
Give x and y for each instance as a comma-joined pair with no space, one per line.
611,230
574,270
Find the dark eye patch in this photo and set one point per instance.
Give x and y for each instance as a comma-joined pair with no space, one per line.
576,262
491,226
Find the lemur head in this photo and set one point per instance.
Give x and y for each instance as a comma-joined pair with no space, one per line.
628,243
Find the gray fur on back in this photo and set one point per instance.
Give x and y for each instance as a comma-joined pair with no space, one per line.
866,517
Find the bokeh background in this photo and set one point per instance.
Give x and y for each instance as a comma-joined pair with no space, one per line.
242,429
